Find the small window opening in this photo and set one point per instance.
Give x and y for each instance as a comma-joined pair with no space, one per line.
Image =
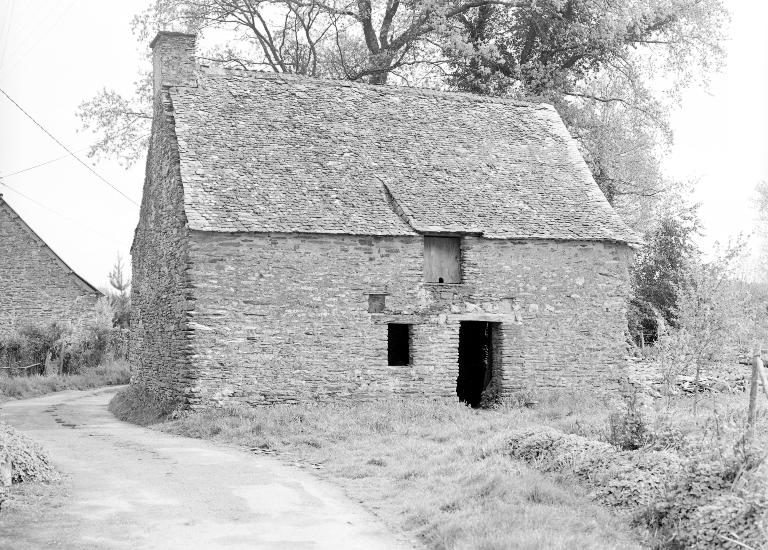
398,344
442,260
376,303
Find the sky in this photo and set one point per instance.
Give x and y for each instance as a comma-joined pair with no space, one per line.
54,54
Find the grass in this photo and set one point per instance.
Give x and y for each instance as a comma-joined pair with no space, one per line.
435,469
135,406
20,387
713,418
21,514
442,471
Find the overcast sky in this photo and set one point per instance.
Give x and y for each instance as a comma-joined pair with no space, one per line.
56,53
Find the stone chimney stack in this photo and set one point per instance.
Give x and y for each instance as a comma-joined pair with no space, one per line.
173,60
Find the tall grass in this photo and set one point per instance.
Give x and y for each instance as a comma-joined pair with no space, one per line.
109,374
436,469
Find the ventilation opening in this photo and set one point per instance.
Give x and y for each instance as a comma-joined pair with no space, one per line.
476,352
398,345
376,303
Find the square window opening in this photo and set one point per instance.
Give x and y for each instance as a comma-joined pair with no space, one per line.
376,303
398,345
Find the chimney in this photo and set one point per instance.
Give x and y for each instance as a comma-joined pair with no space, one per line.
173,60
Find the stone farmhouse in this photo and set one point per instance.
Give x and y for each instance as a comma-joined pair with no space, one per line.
36,286
308,239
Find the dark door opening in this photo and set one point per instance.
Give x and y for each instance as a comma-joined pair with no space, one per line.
476,343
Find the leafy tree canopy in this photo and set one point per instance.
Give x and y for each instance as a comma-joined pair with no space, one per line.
613,68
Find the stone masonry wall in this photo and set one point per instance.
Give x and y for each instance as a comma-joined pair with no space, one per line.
160,290
284,317
35,287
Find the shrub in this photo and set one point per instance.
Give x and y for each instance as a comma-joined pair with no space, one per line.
628,430
717,503
76,349
135,404
702,502
28,460
620,478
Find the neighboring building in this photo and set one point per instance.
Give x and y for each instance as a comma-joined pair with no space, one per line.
36,286
309,239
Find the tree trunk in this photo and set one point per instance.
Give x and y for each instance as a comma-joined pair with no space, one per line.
380,64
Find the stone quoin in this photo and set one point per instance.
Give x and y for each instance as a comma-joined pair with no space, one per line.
36,286
304,239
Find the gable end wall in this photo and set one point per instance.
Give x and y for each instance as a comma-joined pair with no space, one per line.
161,295
35,287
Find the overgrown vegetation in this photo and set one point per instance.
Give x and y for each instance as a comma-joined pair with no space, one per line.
136,406
437,469
110,373
459,477
60,347
39,359
25,460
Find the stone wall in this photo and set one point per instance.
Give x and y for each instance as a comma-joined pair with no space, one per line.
160,293
36,288
284,317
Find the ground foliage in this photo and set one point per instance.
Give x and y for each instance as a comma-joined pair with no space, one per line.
434,468
29,462
77,347
109,373
691,493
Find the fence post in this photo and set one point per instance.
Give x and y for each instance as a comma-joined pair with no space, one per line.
752,412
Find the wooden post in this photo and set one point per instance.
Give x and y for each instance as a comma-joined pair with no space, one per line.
752,413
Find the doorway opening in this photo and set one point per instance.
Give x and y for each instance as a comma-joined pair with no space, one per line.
477,341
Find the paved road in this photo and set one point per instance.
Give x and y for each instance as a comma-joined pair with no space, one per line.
131,487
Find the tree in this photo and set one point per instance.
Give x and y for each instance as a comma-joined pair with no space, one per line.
661,273
119,297
597,61
602,64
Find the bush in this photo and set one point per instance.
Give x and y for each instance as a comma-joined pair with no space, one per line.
628,430
28,460
75,349
621,478
134,404
702,502
717,503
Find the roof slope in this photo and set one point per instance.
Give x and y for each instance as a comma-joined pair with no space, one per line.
15,217
273,153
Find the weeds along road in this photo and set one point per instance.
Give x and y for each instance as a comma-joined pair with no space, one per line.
129,487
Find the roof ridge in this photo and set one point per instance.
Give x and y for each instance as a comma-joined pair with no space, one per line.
386,88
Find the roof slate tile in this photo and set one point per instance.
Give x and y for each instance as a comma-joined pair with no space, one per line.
273,153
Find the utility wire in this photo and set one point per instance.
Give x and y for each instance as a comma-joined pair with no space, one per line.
28,168
62,216
19,107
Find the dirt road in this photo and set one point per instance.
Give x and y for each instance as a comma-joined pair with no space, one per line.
130,488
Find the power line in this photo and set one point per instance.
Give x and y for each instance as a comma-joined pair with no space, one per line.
28,168
19,107
37,165
62,216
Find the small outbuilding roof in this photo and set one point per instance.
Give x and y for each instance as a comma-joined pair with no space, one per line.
262,152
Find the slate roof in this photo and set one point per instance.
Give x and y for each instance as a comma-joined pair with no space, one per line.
273,153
